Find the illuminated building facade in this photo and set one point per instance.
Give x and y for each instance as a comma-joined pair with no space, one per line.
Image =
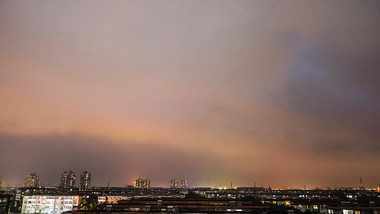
67,179
112,199
54,204
182,205
174,184
1,182
32,180
184,184
142,183
85,180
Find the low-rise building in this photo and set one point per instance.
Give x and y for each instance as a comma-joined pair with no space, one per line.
54,204
112,199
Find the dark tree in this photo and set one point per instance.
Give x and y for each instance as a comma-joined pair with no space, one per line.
89,203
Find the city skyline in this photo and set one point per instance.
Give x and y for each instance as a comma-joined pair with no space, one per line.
277,93
67,181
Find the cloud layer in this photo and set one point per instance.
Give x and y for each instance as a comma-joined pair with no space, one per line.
273,93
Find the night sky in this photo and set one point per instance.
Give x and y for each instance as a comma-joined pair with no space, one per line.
277,93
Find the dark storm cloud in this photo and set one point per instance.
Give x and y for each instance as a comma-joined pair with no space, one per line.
337,91
119,164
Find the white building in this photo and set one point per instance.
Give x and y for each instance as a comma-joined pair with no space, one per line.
54,204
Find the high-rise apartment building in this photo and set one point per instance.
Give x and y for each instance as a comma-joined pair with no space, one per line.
1,182
142,183
85,180
174,184
184,184
67,179
32,180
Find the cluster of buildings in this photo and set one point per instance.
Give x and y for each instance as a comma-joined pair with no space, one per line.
67,180
142,197
201,200
33,198
141,183
175,184
67,195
